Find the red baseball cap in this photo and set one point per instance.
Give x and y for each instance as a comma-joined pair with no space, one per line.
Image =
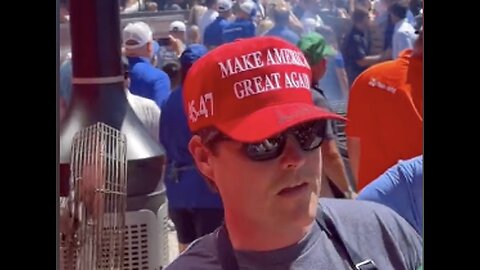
251,89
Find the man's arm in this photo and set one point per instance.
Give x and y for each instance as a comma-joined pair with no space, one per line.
359,53
353,148
295,24
370,60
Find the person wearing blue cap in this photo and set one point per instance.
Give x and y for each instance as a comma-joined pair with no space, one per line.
213,33
243,26
193,207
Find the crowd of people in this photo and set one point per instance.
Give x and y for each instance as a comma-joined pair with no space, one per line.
293,129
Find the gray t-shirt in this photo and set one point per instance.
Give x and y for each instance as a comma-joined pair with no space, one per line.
375,231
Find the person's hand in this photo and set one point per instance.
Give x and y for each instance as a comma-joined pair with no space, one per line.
350,194
176,44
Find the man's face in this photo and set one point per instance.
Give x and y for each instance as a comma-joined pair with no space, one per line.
283,191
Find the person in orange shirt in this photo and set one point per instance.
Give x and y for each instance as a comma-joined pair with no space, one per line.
385,115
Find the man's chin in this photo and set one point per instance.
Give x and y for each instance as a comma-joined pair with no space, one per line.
306,213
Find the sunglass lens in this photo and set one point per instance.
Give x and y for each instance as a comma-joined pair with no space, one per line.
267,149
310,135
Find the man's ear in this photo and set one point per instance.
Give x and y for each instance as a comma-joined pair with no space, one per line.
323,63
150,48
202,156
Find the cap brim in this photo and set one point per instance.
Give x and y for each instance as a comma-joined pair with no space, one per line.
272,120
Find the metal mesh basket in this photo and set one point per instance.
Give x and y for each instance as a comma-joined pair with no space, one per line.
97,200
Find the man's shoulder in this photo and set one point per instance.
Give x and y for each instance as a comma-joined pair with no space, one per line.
406,28
366,216
142,101
200,255
375,231
148,69
174,101
224,23
212,26
388,75
353,210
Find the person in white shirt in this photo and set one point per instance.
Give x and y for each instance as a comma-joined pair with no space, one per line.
310,18
208,17
404,33
145,109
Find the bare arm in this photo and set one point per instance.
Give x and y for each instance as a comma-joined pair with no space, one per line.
295,24
351,4
374,59
370,60
353,148
334,167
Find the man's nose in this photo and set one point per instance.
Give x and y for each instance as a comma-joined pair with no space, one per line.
293,156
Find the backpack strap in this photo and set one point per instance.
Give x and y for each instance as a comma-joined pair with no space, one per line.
226,254
355,260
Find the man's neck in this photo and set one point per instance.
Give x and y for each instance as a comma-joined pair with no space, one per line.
252,237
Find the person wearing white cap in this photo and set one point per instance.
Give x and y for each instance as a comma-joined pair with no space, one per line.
178,30
213,33
145,80
243,26
178,36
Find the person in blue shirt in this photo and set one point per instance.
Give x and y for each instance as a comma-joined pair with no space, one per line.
145,79
193,206
281,28
356,47
213,33
243,26
335,81
401,189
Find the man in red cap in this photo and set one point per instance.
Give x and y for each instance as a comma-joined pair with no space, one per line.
257,137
